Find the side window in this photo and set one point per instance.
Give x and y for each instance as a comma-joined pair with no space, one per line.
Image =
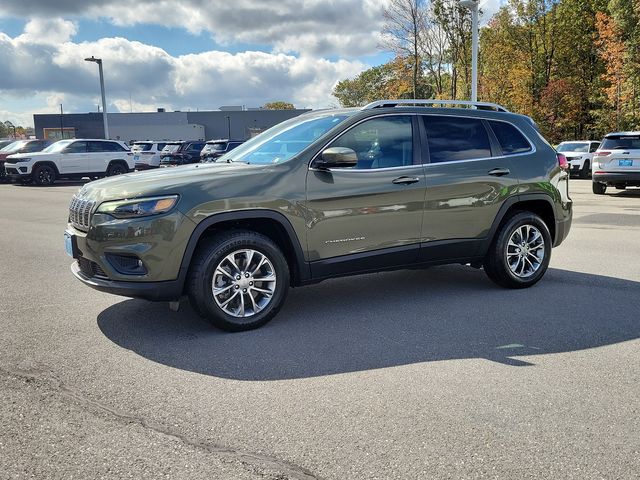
77,147
594,146
380,142
112,147
510,139
196,147
97,147
456,138
161,146
33,147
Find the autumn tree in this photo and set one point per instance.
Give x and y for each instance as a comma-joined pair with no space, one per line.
402,31
278,105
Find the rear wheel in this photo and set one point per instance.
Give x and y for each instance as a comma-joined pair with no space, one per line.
44,175
238,281
520,252
116,169
599,188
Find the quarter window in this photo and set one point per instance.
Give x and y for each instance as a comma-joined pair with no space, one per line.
454,139
510,139
380,142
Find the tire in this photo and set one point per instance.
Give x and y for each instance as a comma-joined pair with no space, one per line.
116,168
598,188
503,254
248,307
585,171
44,175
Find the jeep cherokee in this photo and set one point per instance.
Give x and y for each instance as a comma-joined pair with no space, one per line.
393,185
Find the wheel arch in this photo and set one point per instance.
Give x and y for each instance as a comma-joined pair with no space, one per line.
539,203
117,161
273,225
48,163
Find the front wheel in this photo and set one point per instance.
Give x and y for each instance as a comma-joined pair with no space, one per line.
598,188
238,281
44,175
520,252
585,171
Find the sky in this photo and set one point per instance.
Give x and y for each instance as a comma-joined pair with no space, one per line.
183,54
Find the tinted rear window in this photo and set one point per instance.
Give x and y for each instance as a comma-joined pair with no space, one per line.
621,142
455,138
142,147
510,139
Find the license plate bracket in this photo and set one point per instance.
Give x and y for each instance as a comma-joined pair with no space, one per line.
70,245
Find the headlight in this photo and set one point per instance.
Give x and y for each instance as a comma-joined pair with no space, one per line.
140,207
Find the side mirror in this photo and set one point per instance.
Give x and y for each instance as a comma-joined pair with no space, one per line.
336,157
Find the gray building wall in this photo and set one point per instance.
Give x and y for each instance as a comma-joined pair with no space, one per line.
216,123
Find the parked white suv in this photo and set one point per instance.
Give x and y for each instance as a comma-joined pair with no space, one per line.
146,154
74,158
579,154
617,162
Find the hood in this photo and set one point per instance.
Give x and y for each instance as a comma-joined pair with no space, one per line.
18,156
165,181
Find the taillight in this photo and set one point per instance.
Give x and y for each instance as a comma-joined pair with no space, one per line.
601,153
562,161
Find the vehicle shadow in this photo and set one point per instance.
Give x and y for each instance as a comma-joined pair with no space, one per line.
58,183
389,319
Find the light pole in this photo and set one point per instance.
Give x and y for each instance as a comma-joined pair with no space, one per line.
104,100
473,6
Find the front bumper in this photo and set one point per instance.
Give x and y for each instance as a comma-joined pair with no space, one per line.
156,291
17,171
618,178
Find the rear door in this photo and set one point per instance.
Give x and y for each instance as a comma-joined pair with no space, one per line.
468,178
373,210
73,158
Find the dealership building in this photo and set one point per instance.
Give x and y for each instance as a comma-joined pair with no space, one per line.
228,122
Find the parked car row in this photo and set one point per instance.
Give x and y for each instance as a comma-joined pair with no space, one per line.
43,162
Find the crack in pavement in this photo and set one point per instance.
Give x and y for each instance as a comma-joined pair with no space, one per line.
249,459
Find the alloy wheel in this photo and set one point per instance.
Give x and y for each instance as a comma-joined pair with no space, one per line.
525,251
244,283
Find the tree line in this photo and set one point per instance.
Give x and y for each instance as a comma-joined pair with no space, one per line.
572,65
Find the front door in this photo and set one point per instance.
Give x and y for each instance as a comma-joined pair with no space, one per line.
467,182
73,159
364,217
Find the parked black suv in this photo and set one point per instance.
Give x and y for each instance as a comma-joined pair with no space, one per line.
181,153
214,149
393,185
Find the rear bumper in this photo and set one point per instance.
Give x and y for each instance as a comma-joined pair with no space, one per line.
562,229
617,178
156,291
145,166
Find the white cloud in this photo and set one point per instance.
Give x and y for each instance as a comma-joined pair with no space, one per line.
55,67
322,27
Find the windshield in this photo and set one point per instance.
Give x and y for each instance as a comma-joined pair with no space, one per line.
620,142
573,147
141,147
215,147
57,147
171,147
13,146
280,143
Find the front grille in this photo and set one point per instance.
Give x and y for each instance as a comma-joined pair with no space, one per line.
80,212
89,268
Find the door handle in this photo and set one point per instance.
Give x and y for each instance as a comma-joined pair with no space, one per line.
405,180
499,172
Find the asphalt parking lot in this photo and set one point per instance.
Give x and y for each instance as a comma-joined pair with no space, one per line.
411,374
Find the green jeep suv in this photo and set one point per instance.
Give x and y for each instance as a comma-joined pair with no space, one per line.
393,185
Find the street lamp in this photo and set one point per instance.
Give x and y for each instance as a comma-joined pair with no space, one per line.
473,6
104,100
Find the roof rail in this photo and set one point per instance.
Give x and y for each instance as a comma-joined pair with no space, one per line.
429,102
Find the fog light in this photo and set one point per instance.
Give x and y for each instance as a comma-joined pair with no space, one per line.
126,264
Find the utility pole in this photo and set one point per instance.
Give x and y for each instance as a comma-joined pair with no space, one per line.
61,123
473,6
104,99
